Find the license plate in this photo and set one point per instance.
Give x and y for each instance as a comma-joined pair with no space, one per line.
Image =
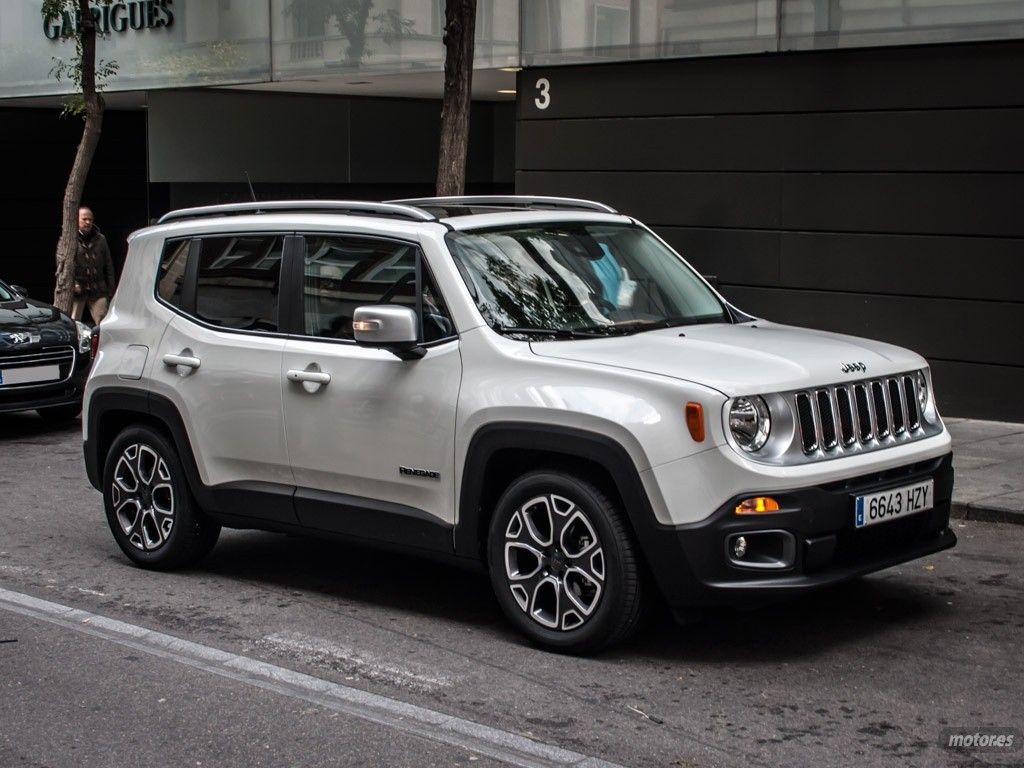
888,505
29,375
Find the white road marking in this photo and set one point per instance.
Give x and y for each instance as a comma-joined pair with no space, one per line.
437,726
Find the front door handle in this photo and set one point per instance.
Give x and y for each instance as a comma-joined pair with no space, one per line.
186,361
311,377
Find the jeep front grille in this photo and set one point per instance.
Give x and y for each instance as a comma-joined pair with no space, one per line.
860,416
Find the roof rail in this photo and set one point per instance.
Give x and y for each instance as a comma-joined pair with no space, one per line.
358,207
510,201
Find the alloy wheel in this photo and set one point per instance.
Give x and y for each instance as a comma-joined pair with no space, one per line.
554,562
143,497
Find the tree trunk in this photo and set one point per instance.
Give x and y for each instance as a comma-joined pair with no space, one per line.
459,31
64,294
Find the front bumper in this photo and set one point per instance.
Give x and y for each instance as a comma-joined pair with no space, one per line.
819,521
48,394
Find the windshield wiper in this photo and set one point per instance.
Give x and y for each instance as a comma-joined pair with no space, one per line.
638,326
557,333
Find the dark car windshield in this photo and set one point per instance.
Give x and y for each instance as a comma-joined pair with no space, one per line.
6,294
575,279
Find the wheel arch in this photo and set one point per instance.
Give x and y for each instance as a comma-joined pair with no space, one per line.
112,409
500,452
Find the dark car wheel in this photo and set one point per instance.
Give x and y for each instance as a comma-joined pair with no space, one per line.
563,563
60,413
149,507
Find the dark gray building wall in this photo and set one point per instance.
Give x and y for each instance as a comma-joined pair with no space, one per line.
202,143
194,148
875,192
38,147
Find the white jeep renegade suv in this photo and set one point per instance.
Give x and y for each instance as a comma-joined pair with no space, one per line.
540,386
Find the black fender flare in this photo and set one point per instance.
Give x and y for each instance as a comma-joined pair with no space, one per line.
659,543
154,409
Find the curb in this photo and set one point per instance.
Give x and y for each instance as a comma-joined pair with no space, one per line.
960,511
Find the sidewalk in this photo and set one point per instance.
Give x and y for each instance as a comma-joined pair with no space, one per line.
988,457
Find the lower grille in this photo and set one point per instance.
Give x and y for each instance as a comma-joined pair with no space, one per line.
62,357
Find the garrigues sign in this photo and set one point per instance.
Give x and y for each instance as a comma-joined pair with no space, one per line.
118,16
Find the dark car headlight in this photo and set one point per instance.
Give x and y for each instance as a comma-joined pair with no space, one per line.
84,337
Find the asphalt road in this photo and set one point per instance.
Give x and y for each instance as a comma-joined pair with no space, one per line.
866,674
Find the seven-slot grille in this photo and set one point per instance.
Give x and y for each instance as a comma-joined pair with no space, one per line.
63,357
858,416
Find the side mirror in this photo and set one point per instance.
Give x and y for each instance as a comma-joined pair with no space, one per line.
388,327
23,292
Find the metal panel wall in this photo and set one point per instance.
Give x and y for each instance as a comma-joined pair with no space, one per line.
874,192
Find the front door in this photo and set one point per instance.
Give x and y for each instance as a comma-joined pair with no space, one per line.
371,443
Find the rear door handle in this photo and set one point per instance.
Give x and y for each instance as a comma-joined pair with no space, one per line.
173,361
313,377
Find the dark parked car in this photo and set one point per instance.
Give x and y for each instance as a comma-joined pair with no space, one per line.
44,357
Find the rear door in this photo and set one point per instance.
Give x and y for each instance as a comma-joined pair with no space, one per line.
219,361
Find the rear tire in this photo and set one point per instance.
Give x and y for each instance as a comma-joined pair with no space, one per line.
150,509
563,563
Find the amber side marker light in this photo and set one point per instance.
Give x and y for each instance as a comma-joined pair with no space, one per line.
695,421
757,505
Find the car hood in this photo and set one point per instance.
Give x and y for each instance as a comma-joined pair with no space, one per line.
44,324
741,359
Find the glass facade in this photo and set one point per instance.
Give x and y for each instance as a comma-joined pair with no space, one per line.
316,38
179,43
808,24
579,31
566,31
155,43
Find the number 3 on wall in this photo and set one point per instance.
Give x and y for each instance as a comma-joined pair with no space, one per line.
543,101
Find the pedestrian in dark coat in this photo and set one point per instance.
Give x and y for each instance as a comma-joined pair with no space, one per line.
94,270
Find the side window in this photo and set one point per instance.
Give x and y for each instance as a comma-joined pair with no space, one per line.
238,281
172,271
343,273
437,323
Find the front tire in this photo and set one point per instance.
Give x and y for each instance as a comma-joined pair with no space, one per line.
149,507
563,563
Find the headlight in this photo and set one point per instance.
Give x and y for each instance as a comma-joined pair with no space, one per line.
922,389
84,337
925,397
750,422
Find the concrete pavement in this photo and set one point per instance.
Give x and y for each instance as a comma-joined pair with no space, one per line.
988,457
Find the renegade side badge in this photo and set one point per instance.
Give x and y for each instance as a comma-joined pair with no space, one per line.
431,473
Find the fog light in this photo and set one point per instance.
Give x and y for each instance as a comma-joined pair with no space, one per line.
739,547
757,505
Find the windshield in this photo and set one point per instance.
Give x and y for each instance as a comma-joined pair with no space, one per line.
573,280
6,294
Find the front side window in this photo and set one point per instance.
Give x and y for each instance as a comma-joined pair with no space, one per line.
580,279
343,273
238,282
